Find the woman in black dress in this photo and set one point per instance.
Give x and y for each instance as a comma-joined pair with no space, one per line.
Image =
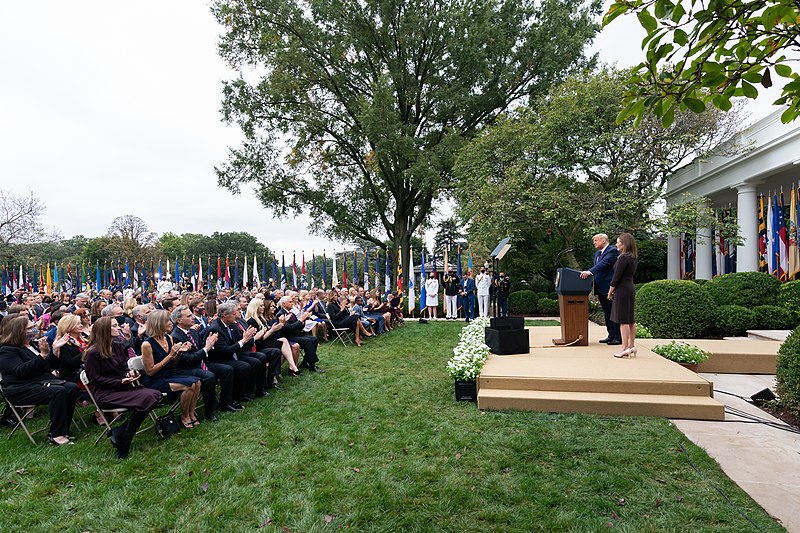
27,380
114,385
623,294
341,317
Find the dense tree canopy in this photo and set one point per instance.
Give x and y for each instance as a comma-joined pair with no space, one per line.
701,52
566,168
352,111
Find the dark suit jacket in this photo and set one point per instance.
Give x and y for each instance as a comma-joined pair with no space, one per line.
603,270
292,327
196,353
227,344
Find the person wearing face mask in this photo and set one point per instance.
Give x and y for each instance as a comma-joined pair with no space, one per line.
483,282
27,378
432,296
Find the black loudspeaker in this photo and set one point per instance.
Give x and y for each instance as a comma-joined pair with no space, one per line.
508,342
507,323
763,396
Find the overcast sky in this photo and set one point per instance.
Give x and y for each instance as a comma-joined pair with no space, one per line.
112,108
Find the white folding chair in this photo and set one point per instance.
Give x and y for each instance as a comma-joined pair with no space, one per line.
115,413
343,335
20,412
136,363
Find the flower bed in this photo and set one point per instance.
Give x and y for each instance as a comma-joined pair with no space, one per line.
470,353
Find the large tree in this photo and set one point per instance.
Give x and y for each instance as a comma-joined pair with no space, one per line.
701,52
566,168
352,110
19,221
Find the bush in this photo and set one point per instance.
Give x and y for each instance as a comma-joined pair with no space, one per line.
652,260
699,281
682,352
790,298
548,307
552,296
748,289
733,320
642,332
773,317
523,303
539,283
787,374
674,309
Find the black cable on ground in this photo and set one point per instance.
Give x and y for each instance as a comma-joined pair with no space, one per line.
720,491
754,418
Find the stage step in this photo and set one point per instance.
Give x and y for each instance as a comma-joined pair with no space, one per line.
623,385
670,406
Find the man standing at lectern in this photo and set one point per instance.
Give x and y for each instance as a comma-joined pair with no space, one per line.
602,272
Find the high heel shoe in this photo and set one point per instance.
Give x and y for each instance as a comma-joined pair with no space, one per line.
295,373
627,353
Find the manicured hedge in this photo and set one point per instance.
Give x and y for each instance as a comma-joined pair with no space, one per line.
787,374
548,307
733,320
790,298
523,303
773,317
673,309
748,289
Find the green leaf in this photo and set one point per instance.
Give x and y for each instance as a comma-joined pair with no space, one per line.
784,71
677,13
694,104
668,117
789,115
748,90
647,21
679,37
660,9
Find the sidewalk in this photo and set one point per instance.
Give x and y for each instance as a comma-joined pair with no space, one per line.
764,461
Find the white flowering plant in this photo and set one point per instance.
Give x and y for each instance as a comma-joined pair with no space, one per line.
682,352
471,352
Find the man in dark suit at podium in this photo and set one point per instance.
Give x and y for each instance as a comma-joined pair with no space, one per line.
602,272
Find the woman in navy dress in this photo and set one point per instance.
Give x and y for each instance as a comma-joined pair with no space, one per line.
160,357
623,294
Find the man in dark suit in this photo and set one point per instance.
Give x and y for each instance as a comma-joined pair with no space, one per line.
293,330
193,362
233,348
602,272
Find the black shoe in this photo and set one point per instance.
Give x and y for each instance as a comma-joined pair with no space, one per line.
304,365
614,343
237,406
227,408
294,374
212,418
605,340
262,393
317,369
274,387
9,422
246,398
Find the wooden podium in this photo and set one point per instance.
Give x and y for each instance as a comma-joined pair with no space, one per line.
573,304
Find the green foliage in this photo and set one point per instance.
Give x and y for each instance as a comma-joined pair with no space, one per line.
359,107
700,54
787,372
674,309
523,303
682,352
694,212
548,307
773,317
748,289
733,320
565,168
652,260
790,297
642,332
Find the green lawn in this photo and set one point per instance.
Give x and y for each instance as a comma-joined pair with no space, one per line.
378,444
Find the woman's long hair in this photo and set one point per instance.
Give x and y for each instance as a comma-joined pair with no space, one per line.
158,323
252,311
628,245
100,338
14,331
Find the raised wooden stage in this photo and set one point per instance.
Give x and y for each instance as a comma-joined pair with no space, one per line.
587,379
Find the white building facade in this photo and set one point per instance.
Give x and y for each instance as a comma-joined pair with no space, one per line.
768,161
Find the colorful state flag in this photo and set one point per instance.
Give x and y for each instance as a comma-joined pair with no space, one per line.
324,280
366,271
791,229
412,295
283,272
303,282
344,270
335,279
783,245
423,295
387,276
246,276
294,273
762,236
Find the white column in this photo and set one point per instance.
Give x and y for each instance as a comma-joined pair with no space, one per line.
673,257
703,254
747,218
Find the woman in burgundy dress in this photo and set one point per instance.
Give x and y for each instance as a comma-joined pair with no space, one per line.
623,294
116,386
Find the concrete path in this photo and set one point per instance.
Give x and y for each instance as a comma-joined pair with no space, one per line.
764,461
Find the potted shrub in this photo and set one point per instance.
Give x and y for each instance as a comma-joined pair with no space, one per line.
468,358
682,353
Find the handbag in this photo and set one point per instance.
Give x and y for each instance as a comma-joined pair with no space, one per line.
166,425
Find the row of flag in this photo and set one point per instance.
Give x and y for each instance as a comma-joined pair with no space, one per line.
778,250
197,274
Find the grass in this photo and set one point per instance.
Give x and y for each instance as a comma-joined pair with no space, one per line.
378,444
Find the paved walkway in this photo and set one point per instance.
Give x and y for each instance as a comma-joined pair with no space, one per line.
764,461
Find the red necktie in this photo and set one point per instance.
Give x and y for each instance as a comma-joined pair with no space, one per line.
202,363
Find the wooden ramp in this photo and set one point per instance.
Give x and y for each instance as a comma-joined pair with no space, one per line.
587,379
